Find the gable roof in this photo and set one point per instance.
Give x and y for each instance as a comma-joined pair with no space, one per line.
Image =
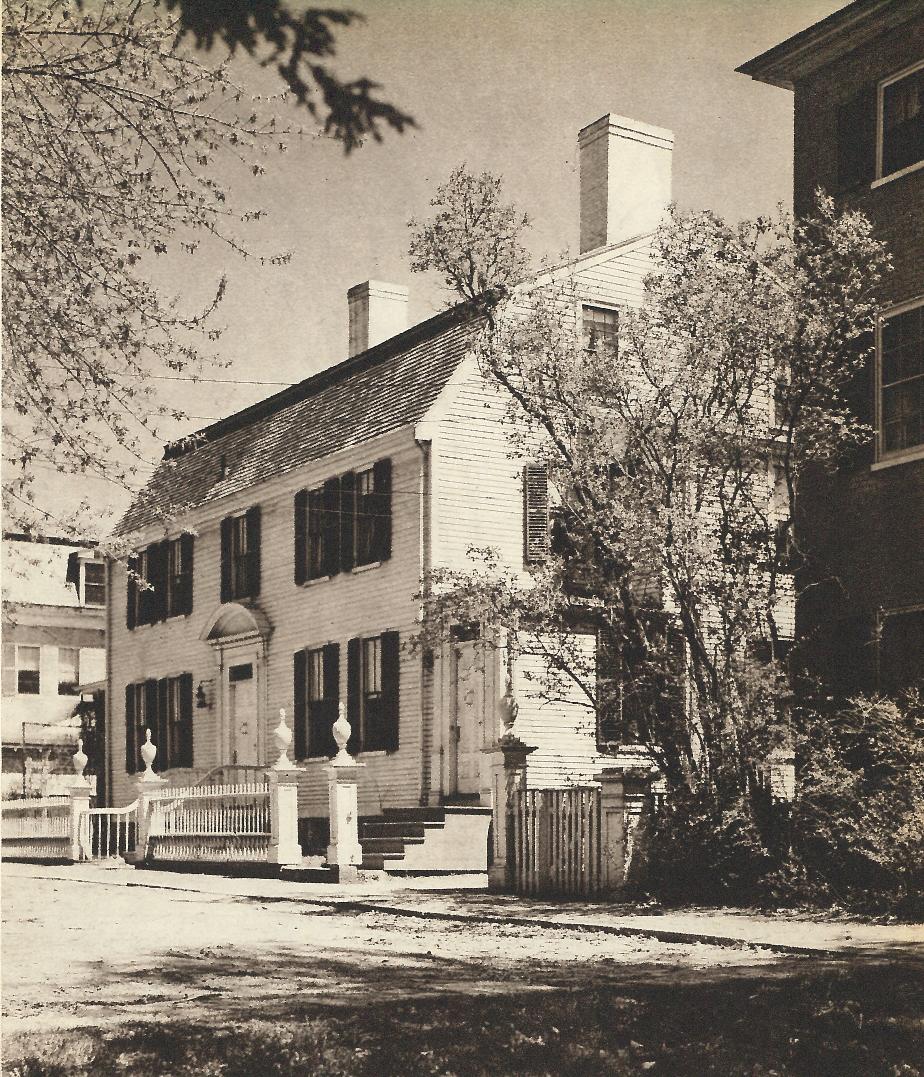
824,41
38,573
381,390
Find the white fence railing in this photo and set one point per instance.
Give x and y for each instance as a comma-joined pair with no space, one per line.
556,841
212,822
109,833
37,829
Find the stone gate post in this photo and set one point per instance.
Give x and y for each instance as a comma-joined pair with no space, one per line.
344,852
507,763
282,778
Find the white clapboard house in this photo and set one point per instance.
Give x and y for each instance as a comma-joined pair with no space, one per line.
289,579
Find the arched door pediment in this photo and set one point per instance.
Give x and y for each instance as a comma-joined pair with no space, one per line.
232,620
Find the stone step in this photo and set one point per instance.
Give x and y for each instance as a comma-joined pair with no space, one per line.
416,815
395,829
388,845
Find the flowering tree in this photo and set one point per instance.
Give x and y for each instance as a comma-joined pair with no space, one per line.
674,455
117,146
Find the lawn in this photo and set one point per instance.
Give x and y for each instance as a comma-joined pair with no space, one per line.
837,1018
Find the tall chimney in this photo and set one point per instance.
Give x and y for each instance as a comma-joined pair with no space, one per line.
377,311
625,179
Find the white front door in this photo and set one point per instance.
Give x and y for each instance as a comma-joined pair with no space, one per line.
243,714
466,733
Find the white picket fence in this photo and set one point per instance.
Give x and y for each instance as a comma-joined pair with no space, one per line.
212,822
555,835
37,829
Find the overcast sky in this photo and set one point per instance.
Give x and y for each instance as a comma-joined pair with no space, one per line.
502,86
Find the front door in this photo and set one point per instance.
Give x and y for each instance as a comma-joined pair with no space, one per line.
466,733
242,709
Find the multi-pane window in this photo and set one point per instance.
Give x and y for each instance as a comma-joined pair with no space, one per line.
366,509
901,381
317,693
600,328
902,122
28,671
94,583
240,555
160,581
372,692
344,523
165,707
178,578
68,670
141,593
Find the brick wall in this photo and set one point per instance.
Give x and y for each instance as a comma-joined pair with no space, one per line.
865,526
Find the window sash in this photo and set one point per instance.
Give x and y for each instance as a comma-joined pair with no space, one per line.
600,329
94,583
315,533
366,511
29,671
901,381
901,118
68,670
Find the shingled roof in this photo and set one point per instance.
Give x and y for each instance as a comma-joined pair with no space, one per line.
383,389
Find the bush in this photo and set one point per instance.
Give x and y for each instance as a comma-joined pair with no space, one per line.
854,836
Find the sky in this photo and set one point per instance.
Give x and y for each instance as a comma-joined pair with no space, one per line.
503,87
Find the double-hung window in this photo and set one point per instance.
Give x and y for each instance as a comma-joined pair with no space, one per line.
600,329
901,381
317,694
240,555
901,122
68,670
22,670
373,667
165,707
94,583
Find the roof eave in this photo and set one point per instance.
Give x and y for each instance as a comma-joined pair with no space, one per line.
824,41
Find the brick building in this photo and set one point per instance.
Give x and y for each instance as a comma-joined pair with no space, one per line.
857,79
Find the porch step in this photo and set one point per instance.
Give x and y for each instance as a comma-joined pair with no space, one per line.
434,840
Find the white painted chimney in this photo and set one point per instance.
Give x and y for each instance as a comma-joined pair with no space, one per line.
377,311
625,179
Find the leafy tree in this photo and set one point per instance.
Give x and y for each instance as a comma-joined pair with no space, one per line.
118,145
674,457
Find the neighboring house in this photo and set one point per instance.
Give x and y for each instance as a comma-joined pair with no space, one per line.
54,629
858,83
300,530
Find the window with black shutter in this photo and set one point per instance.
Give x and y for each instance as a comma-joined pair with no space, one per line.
608,688
183,730
535,513
330,528
391,666
354,694
179,576
365,517
373,692
856,140
322,689
315,534
131,746
240,555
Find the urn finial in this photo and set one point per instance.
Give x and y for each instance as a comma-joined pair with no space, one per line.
342,730
79,759
283,737
148,755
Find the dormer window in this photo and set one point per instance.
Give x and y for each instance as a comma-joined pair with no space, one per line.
600,329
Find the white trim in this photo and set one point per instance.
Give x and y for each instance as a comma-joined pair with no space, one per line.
914,452
365,568
883,180
880,88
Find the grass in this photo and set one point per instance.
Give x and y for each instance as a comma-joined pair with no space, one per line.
838,1020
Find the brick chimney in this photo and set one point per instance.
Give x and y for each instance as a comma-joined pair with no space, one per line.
625,179
377,311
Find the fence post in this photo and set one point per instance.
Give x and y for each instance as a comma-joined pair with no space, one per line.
283,787
612,828
79,818
344,851
507,762
147,784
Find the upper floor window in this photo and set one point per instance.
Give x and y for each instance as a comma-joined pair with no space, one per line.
68,671
901,122
240,555
21,670
94,583
600,329
344,523
160,582
901,381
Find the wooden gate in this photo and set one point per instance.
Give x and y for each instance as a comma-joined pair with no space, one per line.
555,835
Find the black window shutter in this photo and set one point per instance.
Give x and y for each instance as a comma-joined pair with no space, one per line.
381,485
253,551
184,750
301,536
131,592
227,528
330,558
354,690
347,519
131,747
391,667
187,552
162,736
608,688
299,687
73,570
159,555
535,513
331,660
856,140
